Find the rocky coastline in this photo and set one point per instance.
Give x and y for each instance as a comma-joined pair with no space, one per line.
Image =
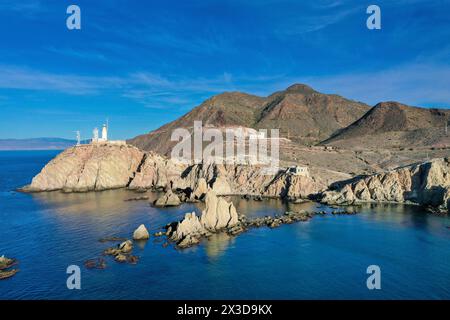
102,167
426,184
221,216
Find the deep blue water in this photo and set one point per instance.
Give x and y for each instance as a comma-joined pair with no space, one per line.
325,258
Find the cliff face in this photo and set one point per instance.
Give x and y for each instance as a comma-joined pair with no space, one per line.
426,184
89,168
156,171
246,180
101,167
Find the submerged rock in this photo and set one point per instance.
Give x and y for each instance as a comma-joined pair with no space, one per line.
126,246
188,241
137,198
132,259
123,248
112,239
141,233
98,263
121,258
6,263
8,274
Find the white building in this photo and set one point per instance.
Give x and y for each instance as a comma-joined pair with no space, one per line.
105,133
95,135
104,138
298,171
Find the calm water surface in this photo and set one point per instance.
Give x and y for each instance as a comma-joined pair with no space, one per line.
325,258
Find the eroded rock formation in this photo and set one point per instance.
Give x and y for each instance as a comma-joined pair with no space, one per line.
5,267
169,199
217,216
141,233
156,172
427,184
88,168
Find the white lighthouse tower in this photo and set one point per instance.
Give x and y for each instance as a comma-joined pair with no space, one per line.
105,133
96,139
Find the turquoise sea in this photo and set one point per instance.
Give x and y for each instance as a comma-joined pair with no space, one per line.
325,258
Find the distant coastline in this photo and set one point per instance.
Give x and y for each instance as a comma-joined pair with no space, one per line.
32,144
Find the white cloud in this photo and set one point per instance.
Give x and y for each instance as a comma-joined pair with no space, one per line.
12,77
414,84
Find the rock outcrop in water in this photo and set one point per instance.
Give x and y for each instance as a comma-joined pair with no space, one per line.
217,216
427,184
141,233
192,228
169,199
5,265
122,252
187,232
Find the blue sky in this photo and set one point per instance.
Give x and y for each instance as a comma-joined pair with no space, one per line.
144,63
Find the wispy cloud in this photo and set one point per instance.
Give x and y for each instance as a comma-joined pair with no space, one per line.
297,25
150,90
79,54
415,84
24,5
13,77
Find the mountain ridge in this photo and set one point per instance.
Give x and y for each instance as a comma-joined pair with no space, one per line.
395,124
320,114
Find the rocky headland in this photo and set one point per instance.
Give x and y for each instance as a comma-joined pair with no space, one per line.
89,168
426,184
101,167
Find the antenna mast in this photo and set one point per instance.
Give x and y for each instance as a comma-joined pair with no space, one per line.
78,138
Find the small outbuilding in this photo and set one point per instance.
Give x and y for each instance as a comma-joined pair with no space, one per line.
298,171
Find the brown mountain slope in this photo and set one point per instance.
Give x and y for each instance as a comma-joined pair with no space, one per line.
308,116
226,109
392,124
301,113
